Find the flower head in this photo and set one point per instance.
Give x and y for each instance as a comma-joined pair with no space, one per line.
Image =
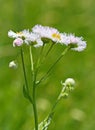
35,39
41,34
20,37
21,34
25,37
47,32
76,43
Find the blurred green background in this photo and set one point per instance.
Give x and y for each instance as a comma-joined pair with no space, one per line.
70,16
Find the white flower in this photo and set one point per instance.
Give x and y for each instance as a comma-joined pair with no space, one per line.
25,37
35,39
12,34
17,42
22,34
13,65
18,36
76,43
47,32
40,33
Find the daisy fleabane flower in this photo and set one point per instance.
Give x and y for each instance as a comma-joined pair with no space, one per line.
25,37
47,32
77,43
19,37
21,34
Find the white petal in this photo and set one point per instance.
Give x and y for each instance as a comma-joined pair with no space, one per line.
12,34
39,43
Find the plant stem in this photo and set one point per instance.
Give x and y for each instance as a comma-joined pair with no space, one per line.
35,108
49,50
31,61
34,89
38,63
23,65
40,59
46,75
50,116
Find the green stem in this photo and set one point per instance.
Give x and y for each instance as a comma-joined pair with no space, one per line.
34,89
23,65
50,116
52,110
46,75
53,107
35,108
49,50
31,60
47,53
55,104
40,57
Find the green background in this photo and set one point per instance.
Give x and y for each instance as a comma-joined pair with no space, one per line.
70,16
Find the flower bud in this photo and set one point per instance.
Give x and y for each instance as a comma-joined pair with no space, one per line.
13,65
17,42
68,86
70,82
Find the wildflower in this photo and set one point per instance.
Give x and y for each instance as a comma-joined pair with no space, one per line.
22,34
13,65
19,37
25,37
76,43
47,32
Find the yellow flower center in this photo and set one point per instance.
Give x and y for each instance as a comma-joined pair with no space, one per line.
19,33
55,35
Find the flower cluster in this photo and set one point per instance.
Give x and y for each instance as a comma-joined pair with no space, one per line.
40,33
25,37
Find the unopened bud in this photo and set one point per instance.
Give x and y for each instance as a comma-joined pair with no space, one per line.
68,86
17,42
70,82
13,65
